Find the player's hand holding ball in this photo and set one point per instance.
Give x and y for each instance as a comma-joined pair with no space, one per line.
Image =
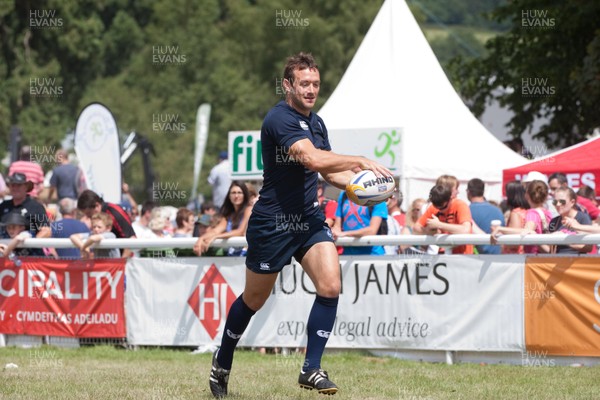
366,189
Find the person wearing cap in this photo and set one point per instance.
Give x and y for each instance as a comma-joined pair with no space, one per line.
33,211
205,219
15,225
535,176
202,224
220,180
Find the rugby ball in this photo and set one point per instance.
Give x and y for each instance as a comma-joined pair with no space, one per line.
366,189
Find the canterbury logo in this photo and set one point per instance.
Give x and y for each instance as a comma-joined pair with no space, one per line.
233,335
323,334
264,266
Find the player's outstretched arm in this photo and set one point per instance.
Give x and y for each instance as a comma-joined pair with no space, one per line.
339,179
328,162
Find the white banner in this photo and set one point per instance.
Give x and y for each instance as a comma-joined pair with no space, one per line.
202,122
383,145
431,303
245,155
98,149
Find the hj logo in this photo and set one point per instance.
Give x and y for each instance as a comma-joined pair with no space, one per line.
211,300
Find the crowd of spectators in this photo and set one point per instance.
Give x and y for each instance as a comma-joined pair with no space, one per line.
535,205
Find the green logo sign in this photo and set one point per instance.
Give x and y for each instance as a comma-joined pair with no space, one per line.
246,154
387,140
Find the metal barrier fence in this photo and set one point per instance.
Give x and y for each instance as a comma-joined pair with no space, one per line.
186,243
376,240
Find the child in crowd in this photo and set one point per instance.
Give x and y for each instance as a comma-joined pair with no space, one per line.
16,227
101,226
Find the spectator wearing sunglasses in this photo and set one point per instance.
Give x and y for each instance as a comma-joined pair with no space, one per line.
565,201
559,180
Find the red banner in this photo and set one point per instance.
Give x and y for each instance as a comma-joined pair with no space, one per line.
63,297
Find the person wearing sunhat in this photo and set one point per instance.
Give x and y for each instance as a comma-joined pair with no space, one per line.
16,228
33,211
32,170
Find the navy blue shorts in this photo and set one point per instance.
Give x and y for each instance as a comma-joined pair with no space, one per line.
274,240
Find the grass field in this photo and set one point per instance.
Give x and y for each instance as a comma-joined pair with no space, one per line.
109,373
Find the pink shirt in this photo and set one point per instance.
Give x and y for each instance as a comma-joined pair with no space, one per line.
533,215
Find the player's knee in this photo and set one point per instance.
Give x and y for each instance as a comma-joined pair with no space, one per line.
329,289
254,302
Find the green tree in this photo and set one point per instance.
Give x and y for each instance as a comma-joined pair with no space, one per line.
228,53
547,66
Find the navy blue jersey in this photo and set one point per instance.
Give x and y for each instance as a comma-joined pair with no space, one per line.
289,187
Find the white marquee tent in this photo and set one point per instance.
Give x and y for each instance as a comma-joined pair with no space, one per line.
395,81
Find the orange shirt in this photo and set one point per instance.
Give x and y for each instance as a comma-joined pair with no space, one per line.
457,213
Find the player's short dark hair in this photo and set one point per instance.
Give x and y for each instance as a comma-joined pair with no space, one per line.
298,61
88,199
476,187
440,195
